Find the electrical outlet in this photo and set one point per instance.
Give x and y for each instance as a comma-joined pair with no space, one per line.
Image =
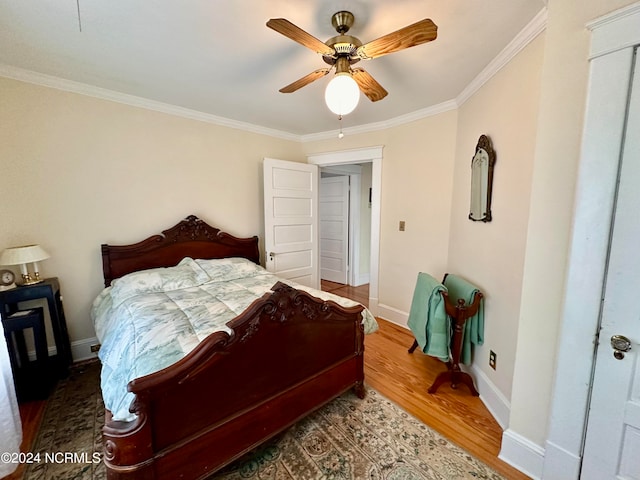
492,359
401,226
95,347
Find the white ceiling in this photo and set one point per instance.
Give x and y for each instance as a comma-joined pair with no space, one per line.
217,57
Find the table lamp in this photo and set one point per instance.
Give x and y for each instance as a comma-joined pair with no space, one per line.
22,256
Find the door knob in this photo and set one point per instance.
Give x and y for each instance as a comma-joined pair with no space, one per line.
620,344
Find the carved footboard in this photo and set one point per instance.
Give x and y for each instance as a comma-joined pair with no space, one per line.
289,354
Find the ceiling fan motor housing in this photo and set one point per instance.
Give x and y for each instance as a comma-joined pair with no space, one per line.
344,46
342,21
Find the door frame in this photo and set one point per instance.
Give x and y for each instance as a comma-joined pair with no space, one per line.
371,155
612,39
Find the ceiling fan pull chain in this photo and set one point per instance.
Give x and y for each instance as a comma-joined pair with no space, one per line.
79,19
340,134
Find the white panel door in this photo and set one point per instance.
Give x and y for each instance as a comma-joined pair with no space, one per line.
291,220
334,228
612,445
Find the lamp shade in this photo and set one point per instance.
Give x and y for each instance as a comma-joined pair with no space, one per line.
22,255
342,94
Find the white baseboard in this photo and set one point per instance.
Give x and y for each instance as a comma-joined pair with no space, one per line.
31,354
522,454
560,464
81,349
393,315
497,404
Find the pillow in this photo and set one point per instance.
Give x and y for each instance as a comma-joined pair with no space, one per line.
226,269
184,275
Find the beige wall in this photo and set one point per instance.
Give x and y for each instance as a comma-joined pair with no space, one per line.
77,172
417,174
491,255
557,151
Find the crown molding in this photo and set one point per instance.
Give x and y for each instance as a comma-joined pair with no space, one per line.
531,31
614,31
393,122
36,78
534,28
615,16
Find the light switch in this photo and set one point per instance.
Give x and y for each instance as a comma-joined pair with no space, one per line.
401,226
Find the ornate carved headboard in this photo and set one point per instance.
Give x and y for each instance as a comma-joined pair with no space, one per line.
192,237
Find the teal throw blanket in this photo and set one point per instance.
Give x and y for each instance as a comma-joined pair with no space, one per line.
428,319
474,326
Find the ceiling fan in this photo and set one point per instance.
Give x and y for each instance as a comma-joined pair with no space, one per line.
344,50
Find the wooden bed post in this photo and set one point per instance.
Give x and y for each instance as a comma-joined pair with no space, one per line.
128,448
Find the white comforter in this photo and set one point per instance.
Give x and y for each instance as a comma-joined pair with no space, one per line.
148,320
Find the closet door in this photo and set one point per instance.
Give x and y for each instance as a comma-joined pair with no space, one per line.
613,428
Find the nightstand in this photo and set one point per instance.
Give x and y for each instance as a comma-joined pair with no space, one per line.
33,378
48,289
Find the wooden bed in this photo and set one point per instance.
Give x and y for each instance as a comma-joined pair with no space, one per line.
289,354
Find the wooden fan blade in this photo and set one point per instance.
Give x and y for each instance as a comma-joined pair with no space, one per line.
306,80
416,34
368,85
288,29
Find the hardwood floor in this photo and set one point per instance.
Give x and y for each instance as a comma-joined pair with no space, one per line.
31,416
401,377
404,379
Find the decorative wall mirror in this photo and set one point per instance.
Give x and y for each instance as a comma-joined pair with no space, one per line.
481,180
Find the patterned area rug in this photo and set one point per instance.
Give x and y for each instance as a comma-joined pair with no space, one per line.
347,439
71,430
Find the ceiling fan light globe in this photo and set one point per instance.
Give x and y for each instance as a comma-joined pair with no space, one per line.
342,94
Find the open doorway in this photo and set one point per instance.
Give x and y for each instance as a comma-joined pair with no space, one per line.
345,224
372,157
345,230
